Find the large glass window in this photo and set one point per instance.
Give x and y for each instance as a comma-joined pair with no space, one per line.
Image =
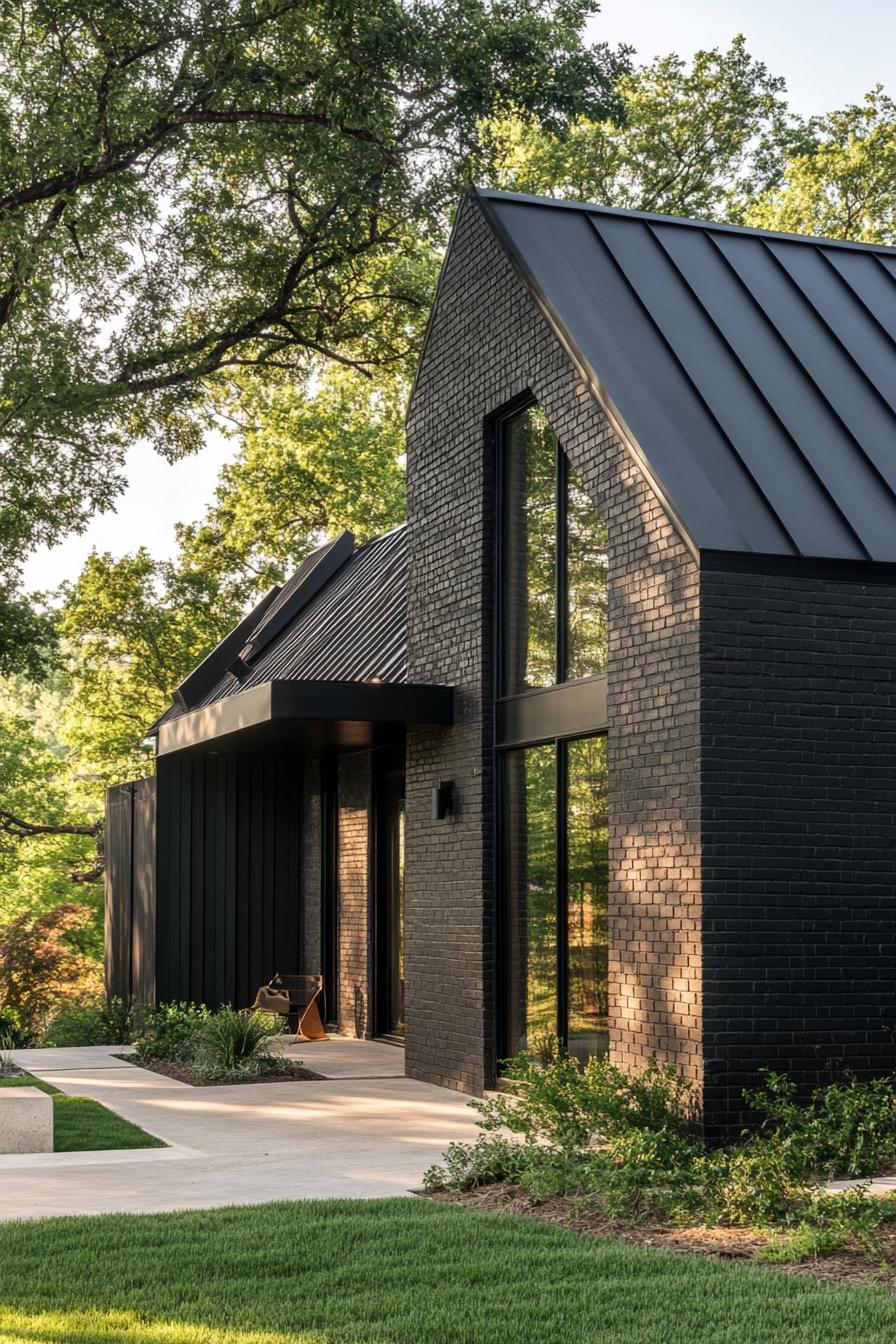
555,853
553,590
552,630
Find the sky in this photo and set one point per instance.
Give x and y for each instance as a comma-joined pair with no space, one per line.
830,53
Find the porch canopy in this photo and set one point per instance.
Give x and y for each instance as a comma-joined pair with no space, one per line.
320,663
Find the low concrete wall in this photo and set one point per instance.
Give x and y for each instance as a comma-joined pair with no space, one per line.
26,1120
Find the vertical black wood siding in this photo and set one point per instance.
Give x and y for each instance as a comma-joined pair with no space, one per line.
228,885
130,906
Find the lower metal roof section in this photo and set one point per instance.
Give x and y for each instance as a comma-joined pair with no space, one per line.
313,714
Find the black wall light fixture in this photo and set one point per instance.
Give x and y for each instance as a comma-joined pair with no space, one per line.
443,800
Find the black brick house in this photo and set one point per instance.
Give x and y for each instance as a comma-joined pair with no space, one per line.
603,742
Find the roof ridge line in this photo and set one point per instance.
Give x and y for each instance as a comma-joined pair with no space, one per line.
591,207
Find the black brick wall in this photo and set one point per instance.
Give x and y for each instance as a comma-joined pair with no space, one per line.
354,914
798,710
488,344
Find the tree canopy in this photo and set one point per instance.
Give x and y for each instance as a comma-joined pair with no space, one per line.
696,138
235,214
189,190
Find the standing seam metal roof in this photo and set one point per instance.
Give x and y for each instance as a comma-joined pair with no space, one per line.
753,373
352,629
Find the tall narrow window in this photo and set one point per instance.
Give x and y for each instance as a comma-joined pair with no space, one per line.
531,802
555,855
586,896
551,632
530,582
553,595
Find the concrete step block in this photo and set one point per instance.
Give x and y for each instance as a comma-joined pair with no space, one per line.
26,1120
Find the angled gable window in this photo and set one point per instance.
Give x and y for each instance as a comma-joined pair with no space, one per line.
553,563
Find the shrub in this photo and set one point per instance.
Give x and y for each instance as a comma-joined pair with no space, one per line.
12,1034
228,1041
468,1165
40,968
564,1106
845,1129
169,1033
629,1142
98,1022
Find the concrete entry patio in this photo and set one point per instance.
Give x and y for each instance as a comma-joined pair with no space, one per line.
365,1131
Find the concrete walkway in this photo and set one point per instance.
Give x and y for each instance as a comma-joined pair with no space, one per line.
364,1132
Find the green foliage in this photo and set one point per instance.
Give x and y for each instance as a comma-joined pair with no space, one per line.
628,1143
97,1022
845,1129
212,1045
169,1032
133,628
699,138
228,1041
12,1034
560,1104
315,459
841,182
830,1221
191,190
39,967
487,1160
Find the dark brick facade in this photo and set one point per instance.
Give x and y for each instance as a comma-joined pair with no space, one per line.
354,904
751,754
798,708
488,344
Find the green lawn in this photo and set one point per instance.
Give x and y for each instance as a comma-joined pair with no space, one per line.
81,1125
394,1272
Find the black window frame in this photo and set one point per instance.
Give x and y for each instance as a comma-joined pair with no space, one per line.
538,716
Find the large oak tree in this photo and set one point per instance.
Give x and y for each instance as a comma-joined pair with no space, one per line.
191,189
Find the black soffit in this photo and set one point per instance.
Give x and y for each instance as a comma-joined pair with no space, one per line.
358,713
752,374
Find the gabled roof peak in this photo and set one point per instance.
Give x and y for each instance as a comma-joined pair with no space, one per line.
752,375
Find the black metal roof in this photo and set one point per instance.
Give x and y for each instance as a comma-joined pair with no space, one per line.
752,373
351,628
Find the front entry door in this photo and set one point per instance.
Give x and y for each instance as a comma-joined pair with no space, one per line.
390,903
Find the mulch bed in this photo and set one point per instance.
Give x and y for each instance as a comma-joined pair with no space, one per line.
720,1243
184,1074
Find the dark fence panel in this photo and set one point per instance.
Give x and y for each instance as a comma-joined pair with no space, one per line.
229,875
130,904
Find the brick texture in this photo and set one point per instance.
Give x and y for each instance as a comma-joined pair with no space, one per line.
353,896
488,344
799,830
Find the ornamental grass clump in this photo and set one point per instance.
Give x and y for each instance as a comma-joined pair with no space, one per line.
229,1042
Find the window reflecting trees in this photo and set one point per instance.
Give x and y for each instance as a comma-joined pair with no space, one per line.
552,628
554,563
555,811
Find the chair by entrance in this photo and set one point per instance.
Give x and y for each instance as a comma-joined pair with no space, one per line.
295,995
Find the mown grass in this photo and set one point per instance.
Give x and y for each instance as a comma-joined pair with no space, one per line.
82,1125
395,1272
